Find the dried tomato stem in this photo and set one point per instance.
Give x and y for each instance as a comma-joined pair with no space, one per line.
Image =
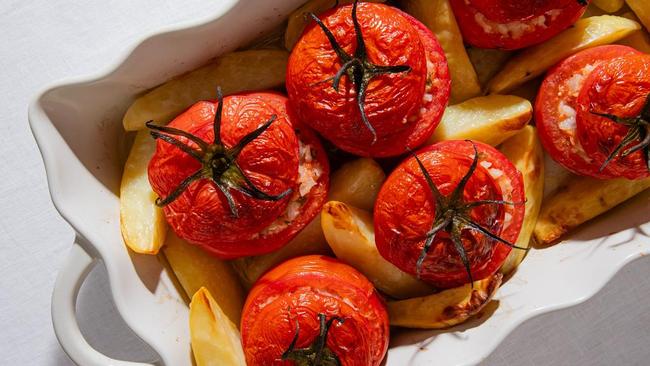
357,67
219,163
317,354
452,214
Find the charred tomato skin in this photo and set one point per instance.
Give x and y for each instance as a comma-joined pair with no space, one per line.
514,24
201,214
294,293
618,87
405,211
558,95
404,108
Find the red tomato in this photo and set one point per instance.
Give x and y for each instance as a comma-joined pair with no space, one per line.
556,108
275,162
514,24
408,210
620,88
402,107
283,311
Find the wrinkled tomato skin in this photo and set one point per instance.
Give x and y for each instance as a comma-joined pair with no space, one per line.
201,215
404,108
480,20
619,87
295,292
559,91
405,212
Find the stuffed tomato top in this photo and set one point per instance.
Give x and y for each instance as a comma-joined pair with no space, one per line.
370,78
592,113
240,176
514,24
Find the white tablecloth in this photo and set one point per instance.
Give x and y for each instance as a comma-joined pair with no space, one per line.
41,41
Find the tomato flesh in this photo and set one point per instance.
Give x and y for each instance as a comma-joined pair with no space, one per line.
291,296
514,24
405,212
619,87
556,108
404,108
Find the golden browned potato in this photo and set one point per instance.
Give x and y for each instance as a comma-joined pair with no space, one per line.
525,151
142,223
446,308
299,19
234,72
194,268
438,16
642,10
215,338
490,119
609,6
534,61
356,182
639,40
579,200
487,62
351,235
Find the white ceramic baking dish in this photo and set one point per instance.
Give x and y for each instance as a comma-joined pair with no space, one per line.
77,125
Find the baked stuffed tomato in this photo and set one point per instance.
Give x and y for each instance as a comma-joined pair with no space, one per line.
514,24
450,213
314,310
370,78
249,190
591,113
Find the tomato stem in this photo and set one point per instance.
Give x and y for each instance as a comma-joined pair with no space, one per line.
452,214
219,163
357,67
317,354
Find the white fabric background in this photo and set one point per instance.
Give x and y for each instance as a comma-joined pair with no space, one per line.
42,41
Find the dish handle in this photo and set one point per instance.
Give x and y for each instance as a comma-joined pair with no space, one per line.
64,318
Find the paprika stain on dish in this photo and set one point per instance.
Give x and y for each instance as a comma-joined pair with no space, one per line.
314,308
370,78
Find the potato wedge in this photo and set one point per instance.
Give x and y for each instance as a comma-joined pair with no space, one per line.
142,223
579,200
609,6
534,61
356,182
194,268
490,119
639,40
215,338
234,72
487,62
525,151
642,10
444,309
299,19
351,235
438,16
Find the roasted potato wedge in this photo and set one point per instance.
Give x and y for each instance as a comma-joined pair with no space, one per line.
142,223
194,268
487,62
444,309
356,183
215,338
642,10
609,6
350,233
639,40
534,61
234,72
299,19
438,16
525,151
490,119
579,200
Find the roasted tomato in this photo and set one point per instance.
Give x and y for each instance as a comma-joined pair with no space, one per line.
250,190
314,308
370,78
450,213
559,107
514,24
